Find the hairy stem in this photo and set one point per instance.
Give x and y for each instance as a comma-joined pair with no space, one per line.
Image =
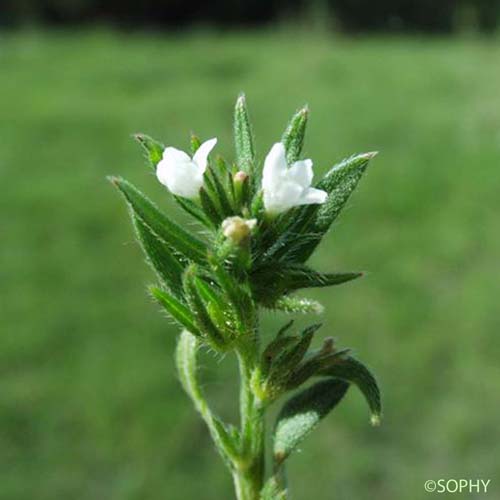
249,472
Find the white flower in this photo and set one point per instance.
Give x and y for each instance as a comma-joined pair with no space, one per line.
180,173
286,187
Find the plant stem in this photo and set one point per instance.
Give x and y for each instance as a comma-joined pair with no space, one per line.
249,475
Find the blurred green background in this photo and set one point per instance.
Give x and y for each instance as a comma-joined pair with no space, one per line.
90,407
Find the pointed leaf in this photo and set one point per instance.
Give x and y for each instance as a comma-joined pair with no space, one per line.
302,413
168,266
193,209
153,150
339,183
350,369
293,138
197,306
276,278
222,195
176,309
291,355
168,231
243,138
194,143
296,305
307,225
210,209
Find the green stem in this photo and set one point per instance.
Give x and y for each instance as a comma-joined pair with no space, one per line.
249,473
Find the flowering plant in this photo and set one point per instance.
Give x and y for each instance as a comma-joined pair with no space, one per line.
259,230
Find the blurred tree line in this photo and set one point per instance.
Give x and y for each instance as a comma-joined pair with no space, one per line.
347,15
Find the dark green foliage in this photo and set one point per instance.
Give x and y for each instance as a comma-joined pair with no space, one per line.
171,233
352,370
270,282
167,265
199,310
210,208
302,413
194,210
290,354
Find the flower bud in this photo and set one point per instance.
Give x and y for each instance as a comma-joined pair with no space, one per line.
238,229
240,177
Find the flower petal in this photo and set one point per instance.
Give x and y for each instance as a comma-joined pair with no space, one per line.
301,172
201,155
182,178
274,166
313,196
284,196
175,155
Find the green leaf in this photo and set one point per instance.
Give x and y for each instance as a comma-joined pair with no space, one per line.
274,349
169,232
293,137
199,310
296,305
194,143
153,150
237,294
176,309
352,370
243,138
222,195
217,307
307,225
225,437
339,183
291,355
168,267
193,209
276,278
302,413
273,490
210,209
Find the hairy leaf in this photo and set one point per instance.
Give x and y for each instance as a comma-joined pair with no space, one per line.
302,413
275,279
168,231
350,369
193,209
224,436
243,137
296,305
291,355
210,209
273,490
153,150
176,309
293,137
306,226
199,310
167,265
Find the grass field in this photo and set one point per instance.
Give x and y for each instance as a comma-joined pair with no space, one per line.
90,407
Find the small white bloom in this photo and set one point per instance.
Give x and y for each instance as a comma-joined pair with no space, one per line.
286,187
237,228
180,173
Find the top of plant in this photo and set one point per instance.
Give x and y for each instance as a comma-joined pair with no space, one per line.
263,223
